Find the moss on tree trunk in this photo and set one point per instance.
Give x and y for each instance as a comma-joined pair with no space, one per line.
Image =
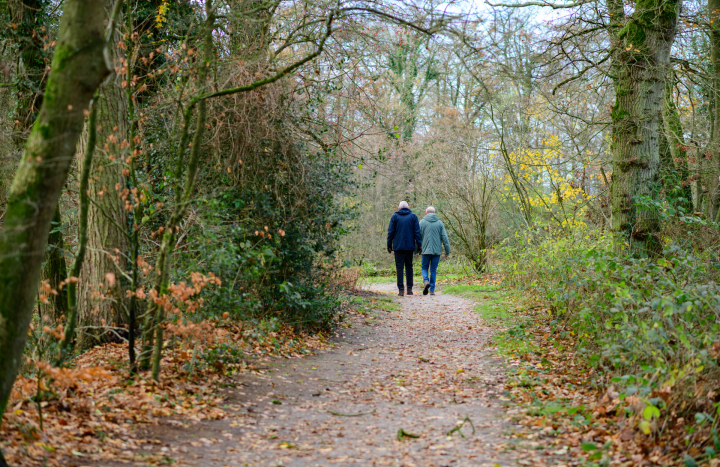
77,70
641,62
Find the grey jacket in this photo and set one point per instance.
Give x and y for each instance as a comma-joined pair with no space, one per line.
433,234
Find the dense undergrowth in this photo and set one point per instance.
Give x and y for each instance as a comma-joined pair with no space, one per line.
645,335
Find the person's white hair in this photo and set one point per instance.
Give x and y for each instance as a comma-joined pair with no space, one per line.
430,209
403,204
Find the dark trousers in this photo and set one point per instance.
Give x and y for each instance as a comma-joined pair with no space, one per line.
404,259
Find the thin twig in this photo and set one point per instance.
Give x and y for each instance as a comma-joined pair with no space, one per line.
352,414
459,426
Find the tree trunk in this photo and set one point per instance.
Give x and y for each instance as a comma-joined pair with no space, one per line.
27,16
642,61
480,259
710,161
55,272
676,143
66,345
183,194
108,244
77,70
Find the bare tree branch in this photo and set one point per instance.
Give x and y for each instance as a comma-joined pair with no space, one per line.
554,6
396,19
579,75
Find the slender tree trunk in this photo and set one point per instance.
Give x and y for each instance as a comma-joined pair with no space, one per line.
86,165
55,272
676,143
78,68
183,195
27,16
710,161
643,56
481,254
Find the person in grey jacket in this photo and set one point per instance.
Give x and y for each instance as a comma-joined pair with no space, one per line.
434,237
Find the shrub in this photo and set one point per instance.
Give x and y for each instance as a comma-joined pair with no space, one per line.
275,245
644,324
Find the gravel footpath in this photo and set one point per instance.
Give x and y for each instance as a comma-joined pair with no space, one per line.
423,370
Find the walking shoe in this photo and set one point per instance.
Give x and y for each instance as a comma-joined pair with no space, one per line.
432,293
401,293
426,288
409,292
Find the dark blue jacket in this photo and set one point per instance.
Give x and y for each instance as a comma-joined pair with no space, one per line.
404,231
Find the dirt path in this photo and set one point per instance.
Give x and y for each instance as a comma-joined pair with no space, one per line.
420,369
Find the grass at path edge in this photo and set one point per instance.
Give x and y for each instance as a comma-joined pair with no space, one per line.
491,304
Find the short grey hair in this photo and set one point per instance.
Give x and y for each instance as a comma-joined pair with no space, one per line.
430,209
403,204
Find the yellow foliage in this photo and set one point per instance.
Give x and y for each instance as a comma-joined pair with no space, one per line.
162,14
541,171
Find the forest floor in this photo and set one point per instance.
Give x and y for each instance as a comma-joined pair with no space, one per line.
417,386
478,375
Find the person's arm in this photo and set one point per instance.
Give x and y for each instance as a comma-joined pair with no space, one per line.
445,240
416,233
392,229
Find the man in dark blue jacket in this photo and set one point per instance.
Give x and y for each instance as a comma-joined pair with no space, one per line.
404,239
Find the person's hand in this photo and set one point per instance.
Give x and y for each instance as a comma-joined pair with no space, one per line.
389,250
447,256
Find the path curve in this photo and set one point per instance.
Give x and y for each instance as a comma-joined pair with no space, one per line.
420,369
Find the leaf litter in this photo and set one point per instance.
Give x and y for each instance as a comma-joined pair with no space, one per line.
428,371
92,411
